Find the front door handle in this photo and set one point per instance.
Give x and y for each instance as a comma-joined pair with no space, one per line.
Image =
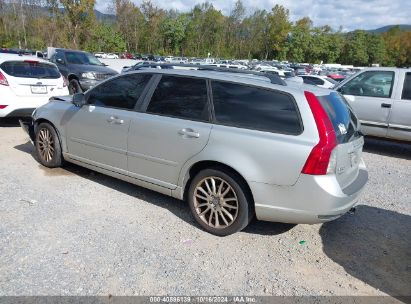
385,105
111,119
188,133
115,120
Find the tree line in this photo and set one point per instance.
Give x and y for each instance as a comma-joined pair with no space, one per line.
149,29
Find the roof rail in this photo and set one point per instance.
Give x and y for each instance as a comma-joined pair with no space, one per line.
275,79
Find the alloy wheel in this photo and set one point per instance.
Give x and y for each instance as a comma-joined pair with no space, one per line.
46,144
215,202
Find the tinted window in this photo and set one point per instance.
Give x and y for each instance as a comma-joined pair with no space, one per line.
406,91
342,117
313,80
58,55
122,92
180,97
82,58
30,69
372,83
247,107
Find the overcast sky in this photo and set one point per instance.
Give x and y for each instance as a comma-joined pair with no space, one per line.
350,14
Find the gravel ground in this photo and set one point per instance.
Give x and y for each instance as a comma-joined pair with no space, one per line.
71,231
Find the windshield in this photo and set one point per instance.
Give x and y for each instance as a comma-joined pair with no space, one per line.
30,69
82,58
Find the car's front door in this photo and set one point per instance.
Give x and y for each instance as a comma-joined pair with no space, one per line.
97,132
369,94
173,128
400,118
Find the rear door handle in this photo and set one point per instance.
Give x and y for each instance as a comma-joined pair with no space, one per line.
188,133
385,105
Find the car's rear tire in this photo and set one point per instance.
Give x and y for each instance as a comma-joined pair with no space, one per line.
47,144
74,87
219,201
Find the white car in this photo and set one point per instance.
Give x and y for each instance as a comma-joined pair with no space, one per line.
100,55
269,69
27,83
319,81
112,56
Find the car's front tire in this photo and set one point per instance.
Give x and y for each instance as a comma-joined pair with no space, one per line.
48,148
219,201
74,87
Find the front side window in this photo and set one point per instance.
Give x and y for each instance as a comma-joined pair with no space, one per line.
406,91
254,108
371,83
180,97
122,92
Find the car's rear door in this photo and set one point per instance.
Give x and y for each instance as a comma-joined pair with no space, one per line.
369,94
97,132
172,127
400,119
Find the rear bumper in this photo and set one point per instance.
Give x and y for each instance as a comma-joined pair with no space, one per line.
23,106
21,112
313,199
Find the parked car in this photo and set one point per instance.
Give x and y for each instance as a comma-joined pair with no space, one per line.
127,56
336,77
27,83
100,55
320,81
83,70
381,98
112,56
233,144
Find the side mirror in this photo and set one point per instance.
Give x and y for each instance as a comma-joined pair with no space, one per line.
79,100
104,64
60,61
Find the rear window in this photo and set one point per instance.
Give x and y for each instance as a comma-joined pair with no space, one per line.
344,121
254,108
30,69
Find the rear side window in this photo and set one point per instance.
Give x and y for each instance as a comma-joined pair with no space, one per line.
406,91
121,92
254,108
341,115
180,97
30,69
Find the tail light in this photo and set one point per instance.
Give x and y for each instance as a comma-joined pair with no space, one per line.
3,80
65,81
321,159
3,107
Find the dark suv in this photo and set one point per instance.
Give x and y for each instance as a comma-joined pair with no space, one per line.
83,70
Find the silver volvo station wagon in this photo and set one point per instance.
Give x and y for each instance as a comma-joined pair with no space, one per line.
233,145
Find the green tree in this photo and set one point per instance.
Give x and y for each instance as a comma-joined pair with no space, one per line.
355,50
299,40
375,49
130,23
173,31
80,17
104,38
279,28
